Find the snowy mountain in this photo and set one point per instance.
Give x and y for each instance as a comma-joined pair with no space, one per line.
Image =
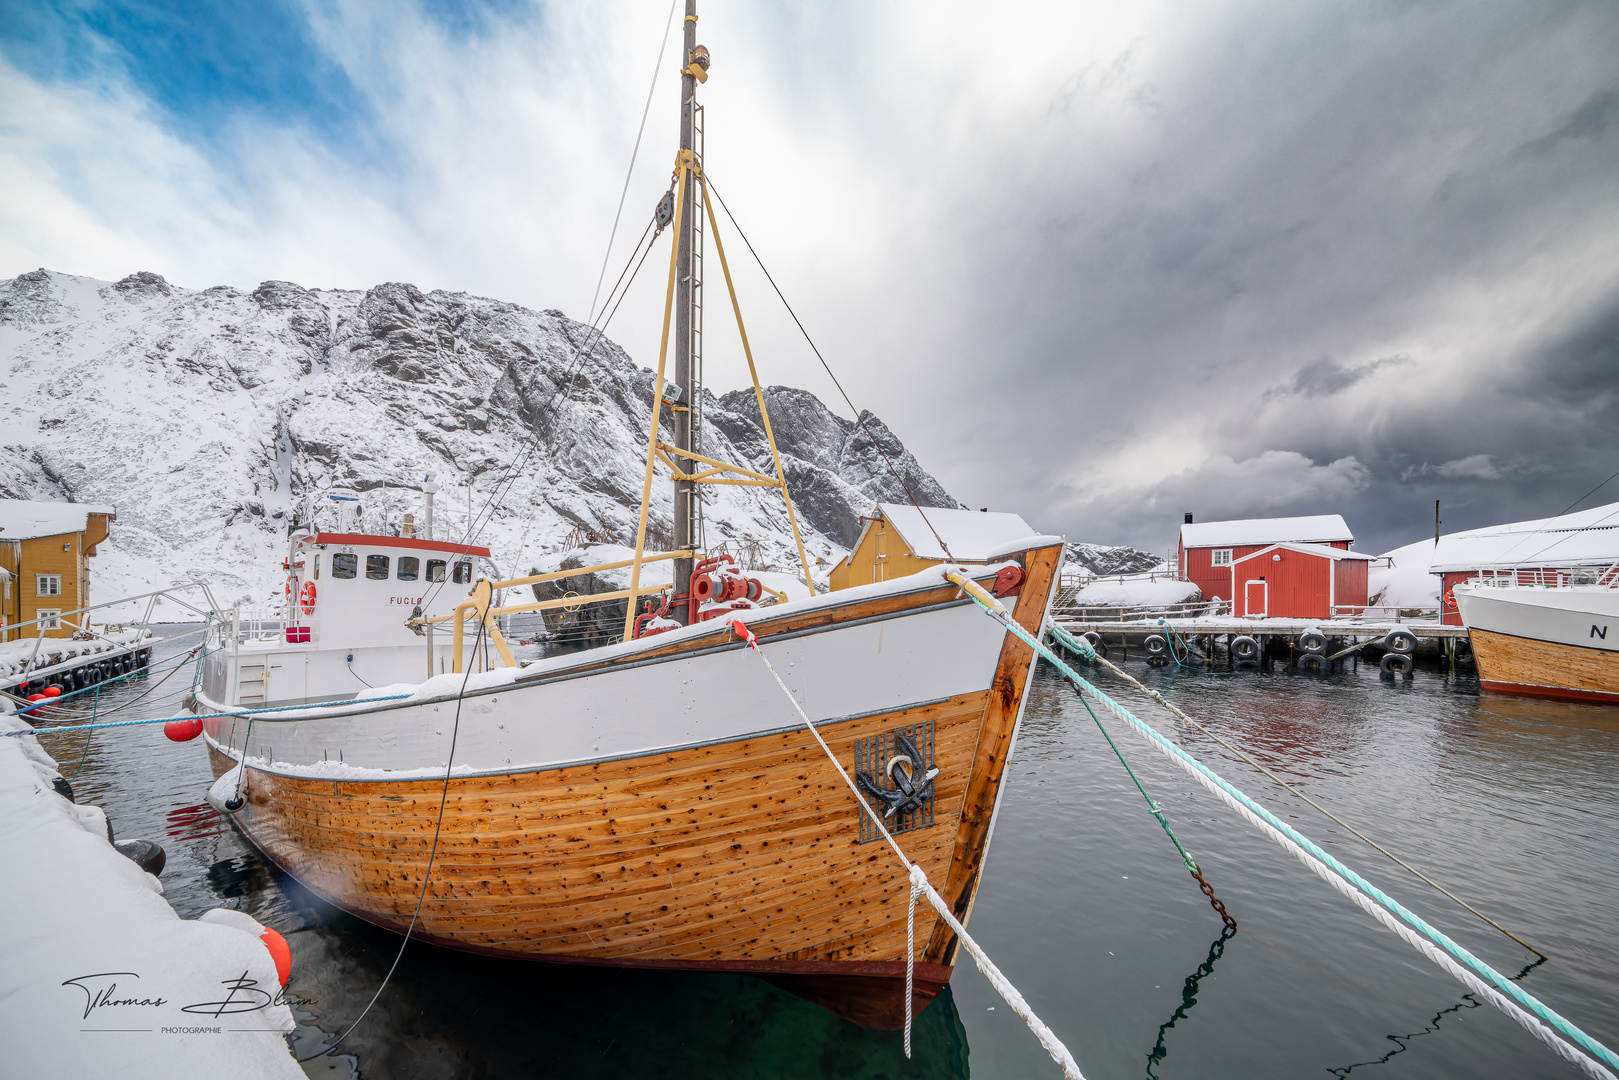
1102,560
209,417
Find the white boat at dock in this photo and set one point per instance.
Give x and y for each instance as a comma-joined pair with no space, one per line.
1544,641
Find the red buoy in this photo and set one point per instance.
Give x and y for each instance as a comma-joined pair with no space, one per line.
36,697
53,691
183,730
280,952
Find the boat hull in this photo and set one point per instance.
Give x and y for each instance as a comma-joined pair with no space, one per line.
1550,643
732,854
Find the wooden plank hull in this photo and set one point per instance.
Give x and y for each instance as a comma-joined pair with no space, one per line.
739,854
1544,642
1551,669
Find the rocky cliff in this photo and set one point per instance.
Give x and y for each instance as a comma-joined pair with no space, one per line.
211,417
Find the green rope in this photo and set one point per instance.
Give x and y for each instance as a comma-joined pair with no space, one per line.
1526,1001
1157,811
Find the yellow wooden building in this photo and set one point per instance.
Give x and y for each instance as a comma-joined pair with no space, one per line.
45,548
898,542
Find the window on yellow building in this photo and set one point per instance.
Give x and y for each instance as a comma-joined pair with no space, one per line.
47,584
50,620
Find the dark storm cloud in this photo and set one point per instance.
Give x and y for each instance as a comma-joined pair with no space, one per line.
1425,197
1324,377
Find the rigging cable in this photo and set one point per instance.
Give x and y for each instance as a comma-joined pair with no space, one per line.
476,523
656,68
859,417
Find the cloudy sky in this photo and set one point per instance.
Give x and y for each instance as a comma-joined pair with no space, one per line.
1098,263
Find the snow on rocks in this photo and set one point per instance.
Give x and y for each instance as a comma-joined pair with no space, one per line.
101,977
208,416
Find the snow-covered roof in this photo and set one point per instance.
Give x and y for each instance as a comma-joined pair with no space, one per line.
24,520
1319,529
1583,538
972,535
1325,551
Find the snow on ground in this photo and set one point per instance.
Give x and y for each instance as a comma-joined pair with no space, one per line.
1132,590
1406,584
101,977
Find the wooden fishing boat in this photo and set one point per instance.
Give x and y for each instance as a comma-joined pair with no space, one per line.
1544,641
656,802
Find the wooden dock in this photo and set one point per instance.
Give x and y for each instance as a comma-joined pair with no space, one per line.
1277,638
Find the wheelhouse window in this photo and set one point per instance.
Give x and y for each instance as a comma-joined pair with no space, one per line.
435,569
47,584
317,567
345,564
376,567
410,568
1221,557
463,573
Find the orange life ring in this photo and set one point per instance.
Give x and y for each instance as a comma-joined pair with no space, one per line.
1450,597
288,587
307,598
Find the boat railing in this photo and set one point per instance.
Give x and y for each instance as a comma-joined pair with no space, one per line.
1384,613
257,624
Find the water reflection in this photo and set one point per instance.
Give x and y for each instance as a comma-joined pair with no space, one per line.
1188,998
1402,1043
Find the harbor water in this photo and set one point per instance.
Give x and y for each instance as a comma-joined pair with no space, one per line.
1512,803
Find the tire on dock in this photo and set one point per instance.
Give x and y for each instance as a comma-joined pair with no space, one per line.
1245,650
1155,645
1313,663
1396,665
1400,641
1313,642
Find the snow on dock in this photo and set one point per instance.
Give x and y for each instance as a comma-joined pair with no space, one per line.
46,656
101,977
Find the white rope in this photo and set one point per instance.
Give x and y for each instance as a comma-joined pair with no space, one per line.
910,953
919,881
1427,947
1275,830
1377,911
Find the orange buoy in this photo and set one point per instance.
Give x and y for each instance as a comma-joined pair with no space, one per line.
53,691
280,952
183,730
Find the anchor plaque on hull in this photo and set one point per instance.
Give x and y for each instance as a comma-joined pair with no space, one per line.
895,772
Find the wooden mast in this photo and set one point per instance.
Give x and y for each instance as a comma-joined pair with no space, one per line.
684,409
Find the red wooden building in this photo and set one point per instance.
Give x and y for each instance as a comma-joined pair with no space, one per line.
1294,568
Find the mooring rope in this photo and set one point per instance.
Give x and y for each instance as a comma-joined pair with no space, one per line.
920,885
427,872
203,716
1158,812
1367,896
1074,644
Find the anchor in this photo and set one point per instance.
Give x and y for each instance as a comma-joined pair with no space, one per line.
908,795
